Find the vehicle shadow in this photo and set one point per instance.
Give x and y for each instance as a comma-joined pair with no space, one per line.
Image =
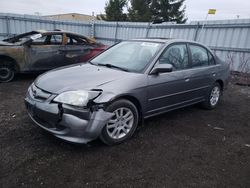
27,76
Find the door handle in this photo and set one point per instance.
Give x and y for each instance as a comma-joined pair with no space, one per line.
213,73
187,78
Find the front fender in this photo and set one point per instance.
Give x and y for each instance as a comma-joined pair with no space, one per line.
138,98
105,97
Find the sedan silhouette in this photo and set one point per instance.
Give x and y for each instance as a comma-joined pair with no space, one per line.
108,97
44,50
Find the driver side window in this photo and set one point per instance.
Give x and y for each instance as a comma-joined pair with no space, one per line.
39,41
176,55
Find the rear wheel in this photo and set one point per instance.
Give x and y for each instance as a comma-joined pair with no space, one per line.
213,97
122,124
7,73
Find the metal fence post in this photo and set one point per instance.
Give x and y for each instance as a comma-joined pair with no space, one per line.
116,31
54,25
8,26
148,28
196,31
93,29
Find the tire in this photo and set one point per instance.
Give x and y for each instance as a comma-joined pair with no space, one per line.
213,97
122,125
7,73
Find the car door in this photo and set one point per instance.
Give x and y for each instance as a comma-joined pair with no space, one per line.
167,91
75,49
203,70
44,53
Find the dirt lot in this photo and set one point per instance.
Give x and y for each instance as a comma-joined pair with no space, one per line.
191,147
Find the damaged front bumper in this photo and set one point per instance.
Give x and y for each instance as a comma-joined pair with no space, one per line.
69,123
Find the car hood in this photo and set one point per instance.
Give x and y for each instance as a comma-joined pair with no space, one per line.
82,76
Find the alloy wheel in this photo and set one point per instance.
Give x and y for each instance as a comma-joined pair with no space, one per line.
121,123
215,95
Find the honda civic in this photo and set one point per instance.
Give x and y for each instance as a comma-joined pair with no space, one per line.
109,96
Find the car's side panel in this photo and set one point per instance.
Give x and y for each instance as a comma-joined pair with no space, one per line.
168,91
42,57
201,79
74,53
14,52
224,72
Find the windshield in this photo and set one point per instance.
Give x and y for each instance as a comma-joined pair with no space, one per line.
132,56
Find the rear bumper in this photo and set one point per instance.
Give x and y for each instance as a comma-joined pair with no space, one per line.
67,122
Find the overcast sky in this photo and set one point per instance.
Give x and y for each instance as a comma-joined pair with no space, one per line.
195,9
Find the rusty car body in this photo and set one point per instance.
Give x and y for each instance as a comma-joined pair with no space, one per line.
44,50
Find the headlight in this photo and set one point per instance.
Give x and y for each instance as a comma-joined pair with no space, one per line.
76,98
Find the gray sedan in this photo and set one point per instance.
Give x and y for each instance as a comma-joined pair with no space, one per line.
109,96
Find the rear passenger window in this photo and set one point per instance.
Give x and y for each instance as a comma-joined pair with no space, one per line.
199,56
175,55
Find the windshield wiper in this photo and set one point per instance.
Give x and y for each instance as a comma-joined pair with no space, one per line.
113,66
91,63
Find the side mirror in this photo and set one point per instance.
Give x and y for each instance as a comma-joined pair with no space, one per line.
161,68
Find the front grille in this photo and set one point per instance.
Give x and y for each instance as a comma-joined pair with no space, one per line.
39,94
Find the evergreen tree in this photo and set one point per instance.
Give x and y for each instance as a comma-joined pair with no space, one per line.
140,11
168,10
157,11
114,10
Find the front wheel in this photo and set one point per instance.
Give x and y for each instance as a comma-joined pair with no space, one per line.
213,97
122,124
6,73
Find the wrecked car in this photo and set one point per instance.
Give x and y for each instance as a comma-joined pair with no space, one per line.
44,50
111,95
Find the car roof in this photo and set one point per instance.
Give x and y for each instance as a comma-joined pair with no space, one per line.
165,40
56,32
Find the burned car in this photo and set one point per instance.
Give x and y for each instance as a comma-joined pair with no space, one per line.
109,96
44,50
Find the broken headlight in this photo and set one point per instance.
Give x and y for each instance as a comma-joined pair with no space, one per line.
77,98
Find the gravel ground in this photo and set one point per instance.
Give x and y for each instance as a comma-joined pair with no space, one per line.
190,147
